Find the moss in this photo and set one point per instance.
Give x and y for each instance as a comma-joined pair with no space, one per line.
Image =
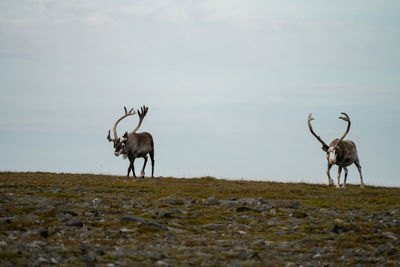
313,229
8,255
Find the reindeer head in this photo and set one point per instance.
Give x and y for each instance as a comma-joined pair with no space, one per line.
333,149
119,145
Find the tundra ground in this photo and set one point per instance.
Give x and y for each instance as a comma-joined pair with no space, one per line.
80,219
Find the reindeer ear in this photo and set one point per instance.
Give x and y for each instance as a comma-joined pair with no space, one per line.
325,148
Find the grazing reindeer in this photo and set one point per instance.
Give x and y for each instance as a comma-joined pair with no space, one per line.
340,152
134,145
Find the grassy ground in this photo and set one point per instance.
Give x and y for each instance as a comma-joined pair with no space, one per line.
178,219
315,195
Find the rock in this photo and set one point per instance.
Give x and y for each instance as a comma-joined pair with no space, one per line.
190,202
384,249
161,263
337,220
173,201
317,256
242,208
155,255
212,201
167,215
96,201
124,252
177,211
64,216
259,243
125,230
245,254
41,261
56,190
85,248
299,214
6,220
389,235
74,222
71,212
286,204
214,226
89,258
228,203
44,202
338,228
131,218
43,231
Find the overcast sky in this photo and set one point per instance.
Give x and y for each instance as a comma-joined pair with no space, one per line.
229,85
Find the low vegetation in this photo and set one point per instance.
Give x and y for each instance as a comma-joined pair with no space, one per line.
72,219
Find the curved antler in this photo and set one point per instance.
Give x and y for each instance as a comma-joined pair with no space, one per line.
130,113
346,118
324,146
142,113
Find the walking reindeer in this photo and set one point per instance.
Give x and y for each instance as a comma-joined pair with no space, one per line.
340,152
134,145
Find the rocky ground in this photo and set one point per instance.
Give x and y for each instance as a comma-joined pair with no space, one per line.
92,220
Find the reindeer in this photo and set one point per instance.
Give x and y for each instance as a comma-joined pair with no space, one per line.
340,152
134,145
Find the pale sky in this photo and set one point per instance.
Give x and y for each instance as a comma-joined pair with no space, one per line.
229,86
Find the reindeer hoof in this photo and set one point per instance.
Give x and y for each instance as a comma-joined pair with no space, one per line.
338,186
362,186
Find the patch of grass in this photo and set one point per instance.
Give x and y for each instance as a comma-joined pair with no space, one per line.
8,255
313,229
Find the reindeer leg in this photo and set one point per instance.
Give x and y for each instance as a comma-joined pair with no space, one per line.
338,176
329,174
152,163
129,170
357,163
133,168
345,176
144,166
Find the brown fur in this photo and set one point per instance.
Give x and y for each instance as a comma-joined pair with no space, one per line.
345,152
134,145
138,145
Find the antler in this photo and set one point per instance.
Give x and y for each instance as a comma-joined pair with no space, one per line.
142,113
109,137
130,113
324,146
346,118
